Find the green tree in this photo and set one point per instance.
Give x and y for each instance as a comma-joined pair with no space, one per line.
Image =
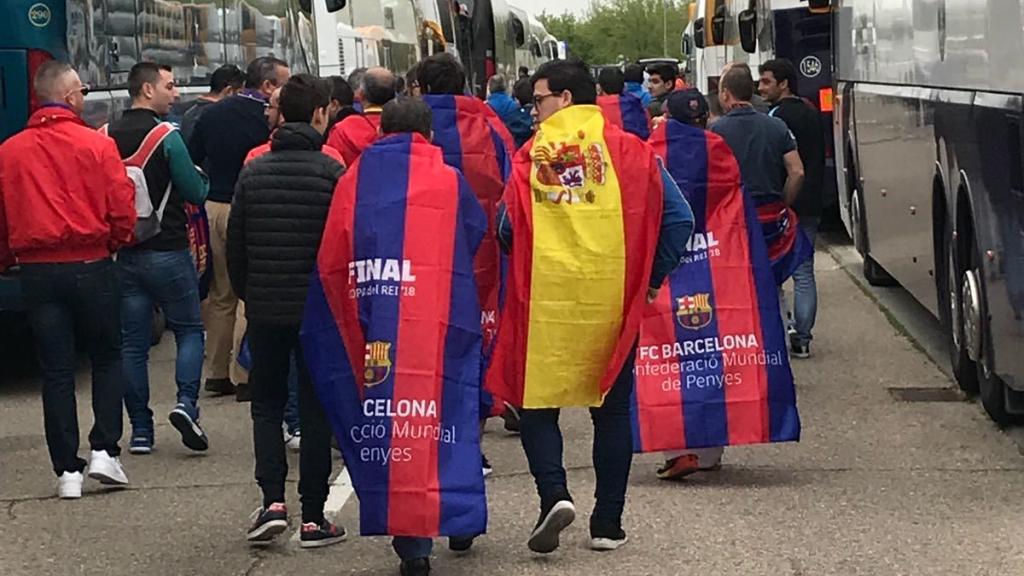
630,29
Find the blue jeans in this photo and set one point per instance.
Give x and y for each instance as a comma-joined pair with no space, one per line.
612,449
805,292
291,409
167,279
411,548
63,300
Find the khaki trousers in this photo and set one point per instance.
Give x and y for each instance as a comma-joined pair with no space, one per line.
223,312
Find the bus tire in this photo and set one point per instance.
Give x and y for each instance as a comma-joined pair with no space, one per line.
963,368
978,340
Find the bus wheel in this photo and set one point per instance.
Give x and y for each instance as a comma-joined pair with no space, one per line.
873,273
964,370
978,341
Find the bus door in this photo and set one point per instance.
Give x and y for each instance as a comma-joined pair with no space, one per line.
14,92
805,38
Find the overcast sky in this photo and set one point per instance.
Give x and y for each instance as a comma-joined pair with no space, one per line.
535,7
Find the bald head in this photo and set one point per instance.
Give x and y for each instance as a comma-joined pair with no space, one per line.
58,82
378,87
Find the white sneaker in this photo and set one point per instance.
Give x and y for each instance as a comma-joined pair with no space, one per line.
107,469
293,441
69,485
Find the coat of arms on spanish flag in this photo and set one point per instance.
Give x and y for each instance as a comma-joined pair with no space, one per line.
585,203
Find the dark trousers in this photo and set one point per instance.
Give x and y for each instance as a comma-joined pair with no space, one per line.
65,300
612,449
272,347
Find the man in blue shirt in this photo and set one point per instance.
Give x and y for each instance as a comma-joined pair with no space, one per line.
635,83
515,118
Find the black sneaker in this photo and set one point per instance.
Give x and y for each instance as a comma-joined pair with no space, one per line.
267,523
316,536
243,393
554,517
511,418
606,536
460,543
415,567
219,386
185,419
802,351
486,464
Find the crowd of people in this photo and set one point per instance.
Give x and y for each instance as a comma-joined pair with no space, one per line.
103,225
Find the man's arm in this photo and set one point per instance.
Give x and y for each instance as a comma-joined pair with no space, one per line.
504,229
238,263
676,227
197,142
192,184
794,176
121,215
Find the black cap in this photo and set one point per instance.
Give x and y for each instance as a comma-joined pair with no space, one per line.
687,105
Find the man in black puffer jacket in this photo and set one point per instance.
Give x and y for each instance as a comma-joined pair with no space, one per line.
277,218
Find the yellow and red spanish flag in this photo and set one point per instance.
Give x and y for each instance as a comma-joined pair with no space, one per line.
585,202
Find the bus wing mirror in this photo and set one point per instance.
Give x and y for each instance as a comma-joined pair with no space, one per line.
335,5
718,28
748,31
698,33
818,5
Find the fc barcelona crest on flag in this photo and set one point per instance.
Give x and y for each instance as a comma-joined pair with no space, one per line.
694,311
378,363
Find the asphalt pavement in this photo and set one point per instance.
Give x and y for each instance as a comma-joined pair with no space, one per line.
885,481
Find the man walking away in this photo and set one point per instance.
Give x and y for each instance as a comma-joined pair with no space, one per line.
226,81
662,82
353,134
517,120
160,270
269,267
634,75
778,86
621,108
342,101
636,223
65,205
222,139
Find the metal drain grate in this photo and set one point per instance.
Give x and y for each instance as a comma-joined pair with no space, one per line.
925,394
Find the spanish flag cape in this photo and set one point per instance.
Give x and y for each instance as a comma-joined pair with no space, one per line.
711,366
475,142
585,202
627,112
391,336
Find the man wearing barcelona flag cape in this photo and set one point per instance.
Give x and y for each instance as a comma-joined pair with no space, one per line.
592,226
712,368
392,338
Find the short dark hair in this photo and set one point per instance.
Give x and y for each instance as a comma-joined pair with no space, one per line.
406,115
355,78
378,90
571,76
524,71
737,81
666,72
226,76
412,76
303,95
523,91
341,91
45,83
144,73
781,69
441,74
611,80
262,69
634,73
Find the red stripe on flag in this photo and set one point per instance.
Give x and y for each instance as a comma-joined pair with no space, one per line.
746,401
337,249
430,217
662,425
611,109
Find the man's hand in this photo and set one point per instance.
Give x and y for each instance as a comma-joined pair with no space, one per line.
652,294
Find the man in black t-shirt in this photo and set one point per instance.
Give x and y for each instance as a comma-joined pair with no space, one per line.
778,86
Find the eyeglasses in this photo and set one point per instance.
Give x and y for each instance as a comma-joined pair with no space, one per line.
84,90
538,98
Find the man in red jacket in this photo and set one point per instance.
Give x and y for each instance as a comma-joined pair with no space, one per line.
356,132
66,204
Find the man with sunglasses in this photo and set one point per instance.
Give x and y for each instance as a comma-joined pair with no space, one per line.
223,136
66,204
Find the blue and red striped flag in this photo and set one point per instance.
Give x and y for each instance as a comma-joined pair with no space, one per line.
392,338
711,365
627,112
788,244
